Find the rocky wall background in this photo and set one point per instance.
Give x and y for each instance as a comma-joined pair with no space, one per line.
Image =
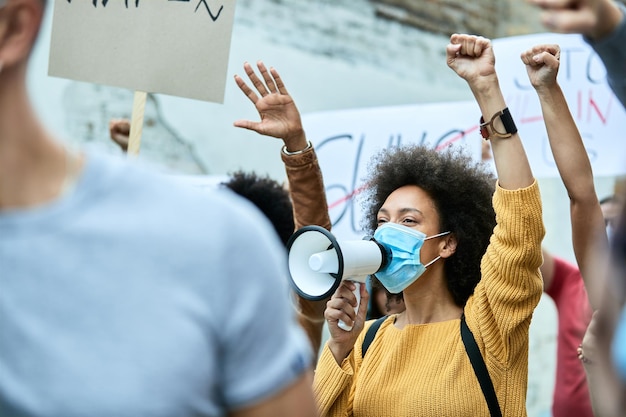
490,18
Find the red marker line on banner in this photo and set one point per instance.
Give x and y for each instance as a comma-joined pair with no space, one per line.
531,119
346,198
455,138
440,147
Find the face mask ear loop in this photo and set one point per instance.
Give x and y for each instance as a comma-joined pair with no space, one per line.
432,262
438,257
437,235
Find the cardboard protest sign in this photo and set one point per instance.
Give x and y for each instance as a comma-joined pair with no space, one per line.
175,47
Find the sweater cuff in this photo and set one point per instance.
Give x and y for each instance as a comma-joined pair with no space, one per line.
520,211
330,377
327,361
524,195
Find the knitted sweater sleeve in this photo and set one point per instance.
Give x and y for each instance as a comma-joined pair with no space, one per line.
333,384
500,310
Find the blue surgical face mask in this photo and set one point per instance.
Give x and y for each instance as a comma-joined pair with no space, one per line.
404,245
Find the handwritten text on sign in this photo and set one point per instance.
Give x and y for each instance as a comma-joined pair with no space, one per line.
175,47
346,140
200,3
599,115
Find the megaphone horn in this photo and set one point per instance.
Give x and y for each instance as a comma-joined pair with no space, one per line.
318,262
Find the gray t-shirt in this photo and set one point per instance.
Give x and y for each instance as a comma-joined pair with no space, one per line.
136,296
613,54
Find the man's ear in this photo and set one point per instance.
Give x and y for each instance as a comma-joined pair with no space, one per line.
20,21
448,246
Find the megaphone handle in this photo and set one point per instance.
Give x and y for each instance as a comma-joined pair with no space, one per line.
357,294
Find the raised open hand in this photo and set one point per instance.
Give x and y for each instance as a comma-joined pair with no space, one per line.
542,64
280,117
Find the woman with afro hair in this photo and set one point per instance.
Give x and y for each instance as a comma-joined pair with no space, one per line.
478,248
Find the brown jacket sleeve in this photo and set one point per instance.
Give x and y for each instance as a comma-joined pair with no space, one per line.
306,187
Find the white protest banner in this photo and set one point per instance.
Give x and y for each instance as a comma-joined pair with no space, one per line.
599,115
175,47
346,140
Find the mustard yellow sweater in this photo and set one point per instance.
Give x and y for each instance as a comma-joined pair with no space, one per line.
423,370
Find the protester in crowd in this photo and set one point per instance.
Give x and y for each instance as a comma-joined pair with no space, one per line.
564,284
602,352
269,196
123,293
479,272
567,285
588,223
119,130
603,25
609,212
280,118
611,205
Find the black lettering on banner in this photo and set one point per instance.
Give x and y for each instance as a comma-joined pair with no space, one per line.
348,192
345,190
208,9
105,2
214,17
572,71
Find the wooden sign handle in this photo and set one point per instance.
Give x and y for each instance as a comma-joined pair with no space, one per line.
136,125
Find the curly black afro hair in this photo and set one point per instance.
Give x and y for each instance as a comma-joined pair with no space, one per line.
462,191
269,196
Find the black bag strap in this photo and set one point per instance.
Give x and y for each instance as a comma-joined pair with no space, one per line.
480,369
476,359
371,333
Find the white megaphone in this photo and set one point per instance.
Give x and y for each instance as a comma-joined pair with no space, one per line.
318,263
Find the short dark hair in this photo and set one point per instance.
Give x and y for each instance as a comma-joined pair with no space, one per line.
462,191
269,196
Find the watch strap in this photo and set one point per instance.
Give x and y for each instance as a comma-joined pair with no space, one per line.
487,130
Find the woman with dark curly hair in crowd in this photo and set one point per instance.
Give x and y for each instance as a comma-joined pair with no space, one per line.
470,216
468,271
